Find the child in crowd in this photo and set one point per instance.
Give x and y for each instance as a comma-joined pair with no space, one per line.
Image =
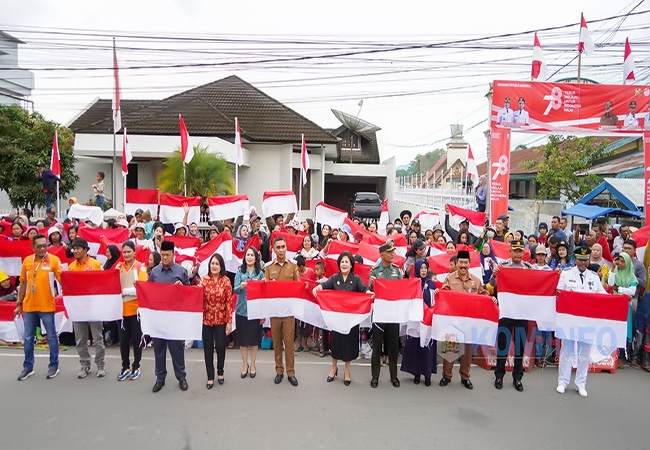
98,189
323,335
306,274
562,259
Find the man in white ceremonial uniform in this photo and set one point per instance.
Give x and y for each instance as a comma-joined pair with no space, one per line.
521,115
505,114
631,119
577,278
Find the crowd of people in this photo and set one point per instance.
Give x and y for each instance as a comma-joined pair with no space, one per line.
600,258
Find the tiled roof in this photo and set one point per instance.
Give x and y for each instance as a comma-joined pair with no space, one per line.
98,118
210,110
369,153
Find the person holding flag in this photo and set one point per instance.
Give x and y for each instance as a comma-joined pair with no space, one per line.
130,331
577,278
169,272
36,302
83,263
49,180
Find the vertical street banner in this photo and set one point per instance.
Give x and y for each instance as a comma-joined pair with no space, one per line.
499,166
646,158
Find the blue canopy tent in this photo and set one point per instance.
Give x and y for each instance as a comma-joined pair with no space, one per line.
592,211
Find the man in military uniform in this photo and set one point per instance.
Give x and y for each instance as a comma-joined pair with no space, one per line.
461,281
577,278
509,328
387,270
506,114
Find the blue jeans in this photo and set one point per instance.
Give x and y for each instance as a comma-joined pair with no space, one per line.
48,199
100,201
32,320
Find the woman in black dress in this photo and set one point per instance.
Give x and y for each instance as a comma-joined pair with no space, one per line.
344,346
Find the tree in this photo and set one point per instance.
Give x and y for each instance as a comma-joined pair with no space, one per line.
422,163
25,140
562,165
208,174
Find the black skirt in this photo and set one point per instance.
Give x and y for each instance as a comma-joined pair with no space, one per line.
345,347
249,332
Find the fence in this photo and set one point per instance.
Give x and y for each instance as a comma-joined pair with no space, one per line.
434,198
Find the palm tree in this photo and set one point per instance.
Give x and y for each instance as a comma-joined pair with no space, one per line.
208,174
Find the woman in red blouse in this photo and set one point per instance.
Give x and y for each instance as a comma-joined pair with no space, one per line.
217,316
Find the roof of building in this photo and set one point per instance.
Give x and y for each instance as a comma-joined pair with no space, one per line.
208,110
628,191
369,152
7,37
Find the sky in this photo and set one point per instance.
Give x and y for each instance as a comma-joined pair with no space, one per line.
418,66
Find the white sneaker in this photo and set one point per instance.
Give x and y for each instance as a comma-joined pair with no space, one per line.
560,389
83,373
582,392
101,373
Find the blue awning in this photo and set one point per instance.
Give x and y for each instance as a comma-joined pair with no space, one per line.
592,211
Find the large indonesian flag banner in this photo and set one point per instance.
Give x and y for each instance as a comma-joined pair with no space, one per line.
422,330
222,245
275,299
329,215
169,311
144,199
439,264
238,255
83,212
572,107
384,218
94,237
12,254
294,243
465,318
171,208
397,301
428,220
646,171
94,296
279,202
343,310
228,206
528,294
598,319
499,168
476,219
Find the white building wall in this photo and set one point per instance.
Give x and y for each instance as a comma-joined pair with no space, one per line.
270,170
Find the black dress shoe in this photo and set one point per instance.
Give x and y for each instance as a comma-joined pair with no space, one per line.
468,384
293,381
253,374
183,384
416,380
330,379
245,374
395,382
347,382
518,385
278,378
209,385
427,382
444,381
498,383
220,380
374,383
158,386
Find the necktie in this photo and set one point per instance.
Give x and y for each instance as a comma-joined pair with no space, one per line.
582,278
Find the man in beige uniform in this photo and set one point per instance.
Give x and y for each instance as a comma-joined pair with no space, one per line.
282,328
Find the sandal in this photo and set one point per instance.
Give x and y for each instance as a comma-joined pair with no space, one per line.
300,349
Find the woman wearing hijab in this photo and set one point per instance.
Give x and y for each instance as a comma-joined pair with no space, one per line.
417,251
113,254
417,360
488,262
623,281
241,238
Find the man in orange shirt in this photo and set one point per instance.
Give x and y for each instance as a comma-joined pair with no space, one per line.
83,263
36,300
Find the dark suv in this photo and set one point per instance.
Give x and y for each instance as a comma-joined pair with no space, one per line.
366,205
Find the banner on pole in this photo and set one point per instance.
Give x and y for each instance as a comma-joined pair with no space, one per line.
499,172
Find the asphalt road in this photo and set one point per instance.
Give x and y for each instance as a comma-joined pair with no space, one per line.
94,413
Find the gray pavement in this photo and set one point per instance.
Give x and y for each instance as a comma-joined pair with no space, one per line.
93,413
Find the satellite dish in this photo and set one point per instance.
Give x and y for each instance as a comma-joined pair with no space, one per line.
354,123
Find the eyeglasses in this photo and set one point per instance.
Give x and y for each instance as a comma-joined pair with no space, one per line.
40,246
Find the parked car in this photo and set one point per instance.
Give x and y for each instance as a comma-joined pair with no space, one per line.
366,205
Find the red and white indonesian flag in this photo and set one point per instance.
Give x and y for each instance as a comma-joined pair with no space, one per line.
465,318
275,299
422,329
384,218
304,162
187,151
171,208
169,311
294,242
94,237
341,311
12,254
640,236
62,321
238,255
117,112
397,301
428,220
329,215
439,264
628,63
528,294
472,169
538,71
228,206
438,248
279,202
126,154
502,251
60,252
55,160
8,325
585,44
597,319
222,245
144,199
83,212
239,150
93,296
476,219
